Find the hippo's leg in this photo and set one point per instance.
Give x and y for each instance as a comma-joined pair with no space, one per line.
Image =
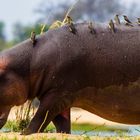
62,122
59,115
45,103
54,108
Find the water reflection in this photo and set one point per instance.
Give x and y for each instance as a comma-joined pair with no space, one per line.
130,131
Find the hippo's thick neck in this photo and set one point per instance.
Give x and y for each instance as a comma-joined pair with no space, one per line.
19,58
16,62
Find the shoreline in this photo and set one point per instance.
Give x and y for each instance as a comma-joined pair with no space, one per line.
80,116
60,136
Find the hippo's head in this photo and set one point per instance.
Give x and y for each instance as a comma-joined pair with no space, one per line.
13,90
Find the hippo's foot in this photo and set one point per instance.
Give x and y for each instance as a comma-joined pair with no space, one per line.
27,131
62,122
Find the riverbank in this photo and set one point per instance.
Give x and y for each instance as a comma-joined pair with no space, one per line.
83,123
59,136
80,116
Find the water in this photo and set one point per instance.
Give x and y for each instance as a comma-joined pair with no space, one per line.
130,131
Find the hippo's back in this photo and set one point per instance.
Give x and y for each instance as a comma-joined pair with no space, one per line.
100,59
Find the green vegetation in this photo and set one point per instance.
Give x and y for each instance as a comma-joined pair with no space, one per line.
22,32
90,127
13,126
23,114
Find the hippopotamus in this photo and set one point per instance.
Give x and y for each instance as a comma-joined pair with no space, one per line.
97,69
